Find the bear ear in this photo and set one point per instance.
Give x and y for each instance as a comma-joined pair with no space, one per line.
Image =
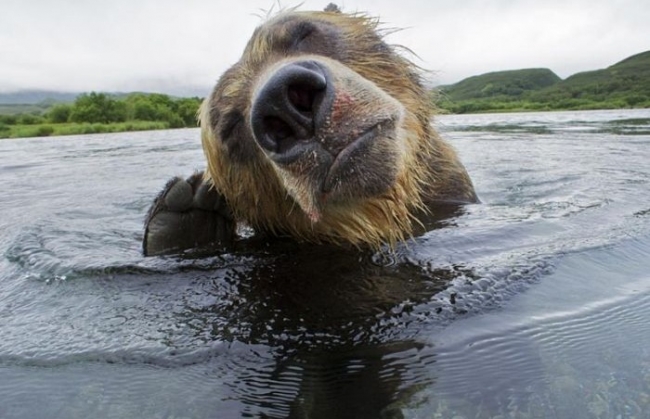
332,8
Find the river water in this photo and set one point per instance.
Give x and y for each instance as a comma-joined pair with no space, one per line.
534,303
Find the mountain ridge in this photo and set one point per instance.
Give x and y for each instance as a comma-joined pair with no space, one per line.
623,84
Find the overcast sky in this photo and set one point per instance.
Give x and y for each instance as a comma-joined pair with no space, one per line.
182,46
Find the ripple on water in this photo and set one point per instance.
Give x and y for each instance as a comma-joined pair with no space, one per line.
564,364
92,329
561,349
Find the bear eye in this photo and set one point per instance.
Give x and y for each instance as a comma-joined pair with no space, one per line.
302,32
315,37
230,122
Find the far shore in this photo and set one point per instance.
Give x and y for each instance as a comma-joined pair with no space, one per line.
71,128
52,129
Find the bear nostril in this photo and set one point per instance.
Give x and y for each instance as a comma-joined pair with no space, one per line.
287,108
302,97
279,133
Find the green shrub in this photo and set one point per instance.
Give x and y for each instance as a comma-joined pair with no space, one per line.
44,131
8,119
59,113
98,107
29,119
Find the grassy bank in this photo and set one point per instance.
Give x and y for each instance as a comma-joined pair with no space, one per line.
99,113
495,105
71,128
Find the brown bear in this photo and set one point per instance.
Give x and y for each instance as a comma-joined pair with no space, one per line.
321,132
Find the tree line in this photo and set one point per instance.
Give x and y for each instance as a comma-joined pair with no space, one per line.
106,109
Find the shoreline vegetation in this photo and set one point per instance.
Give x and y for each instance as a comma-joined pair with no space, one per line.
52,129
93,113
471,107
624,85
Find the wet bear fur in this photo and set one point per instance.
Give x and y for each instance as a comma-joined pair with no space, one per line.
346,156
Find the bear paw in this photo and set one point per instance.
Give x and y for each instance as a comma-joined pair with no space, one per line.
187,214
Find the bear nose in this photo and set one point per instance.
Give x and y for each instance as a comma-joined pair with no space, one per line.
289,105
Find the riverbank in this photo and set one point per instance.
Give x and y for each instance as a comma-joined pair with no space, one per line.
71,128
495,106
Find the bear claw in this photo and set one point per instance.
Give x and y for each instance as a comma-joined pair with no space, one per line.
187,214
179,196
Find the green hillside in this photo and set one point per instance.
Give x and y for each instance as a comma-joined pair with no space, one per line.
622,85
628,81
36,97
511,83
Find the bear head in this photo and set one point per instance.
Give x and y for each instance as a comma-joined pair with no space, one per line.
321,131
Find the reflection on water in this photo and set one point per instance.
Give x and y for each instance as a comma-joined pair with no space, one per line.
532,304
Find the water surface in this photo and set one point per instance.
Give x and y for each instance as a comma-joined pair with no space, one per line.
531,304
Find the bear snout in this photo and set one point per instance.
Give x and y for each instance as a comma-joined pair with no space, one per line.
332,135
289,108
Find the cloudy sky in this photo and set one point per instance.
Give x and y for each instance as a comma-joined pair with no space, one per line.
182,46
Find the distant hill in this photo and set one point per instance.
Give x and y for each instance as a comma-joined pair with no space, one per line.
624,75
33,97
624,84
502,83
625,79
